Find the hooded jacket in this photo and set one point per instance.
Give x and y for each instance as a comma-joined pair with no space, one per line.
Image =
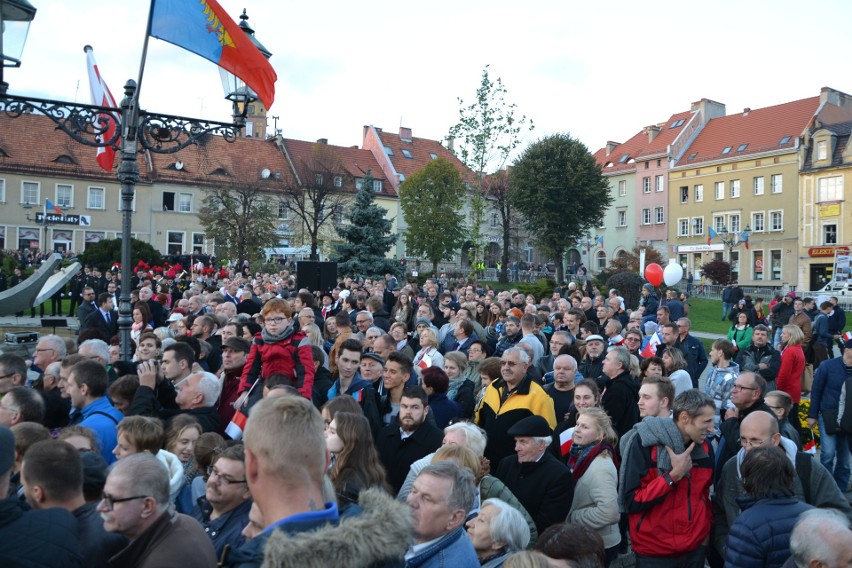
175,469
373,534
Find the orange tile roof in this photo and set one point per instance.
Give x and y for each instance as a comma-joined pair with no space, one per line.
761,129
420,150
638,146
354,160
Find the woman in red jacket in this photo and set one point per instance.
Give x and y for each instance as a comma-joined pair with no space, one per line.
789,377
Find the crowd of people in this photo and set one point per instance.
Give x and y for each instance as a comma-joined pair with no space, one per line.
387,424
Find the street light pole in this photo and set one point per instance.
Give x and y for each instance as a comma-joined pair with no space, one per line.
731,241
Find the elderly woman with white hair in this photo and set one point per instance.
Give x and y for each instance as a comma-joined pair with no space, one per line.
498,531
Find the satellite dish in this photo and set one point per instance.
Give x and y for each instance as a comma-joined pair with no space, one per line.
265,173
178,165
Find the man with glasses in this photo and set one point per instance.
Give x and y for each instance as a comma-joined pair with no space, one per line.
746,397
13,372
135,504
56,408
50,348
87,307
223,511
813,483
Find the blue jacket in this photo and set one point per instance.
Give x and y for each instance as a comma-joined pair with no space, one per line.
225,530
453,550
828,380
760,537
102,417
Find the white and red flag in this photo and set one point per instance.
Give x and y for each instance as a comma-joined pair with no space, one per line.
101,96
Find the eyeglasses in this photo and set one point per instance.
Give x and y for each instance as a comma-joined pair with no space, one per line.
275,320
45,349
110,501
632,339
211,471
6,376
752,442
737,387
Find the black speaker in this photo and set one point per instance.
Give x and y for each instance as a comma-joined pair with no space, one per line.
316,276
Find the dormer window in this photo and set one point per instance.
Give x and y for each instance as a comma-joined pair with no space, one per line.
64,159
822,150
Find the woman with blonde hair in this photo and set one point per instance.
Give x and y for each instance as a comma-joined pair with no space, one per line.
429,349
789,378
594,465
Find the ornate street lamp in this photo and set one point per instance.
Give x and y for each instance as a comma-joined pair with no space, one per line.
90,124
731,240
15,18
235,88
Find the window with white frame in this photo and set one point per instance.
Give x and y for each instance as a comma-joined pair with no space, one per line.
777,181
337,215
318,179
646,216
185,203
377,185
601,259
829,234
720,190
776,220
758,222
683,227
621,217
684,194
95,198
64,195
2,190
718,223
758,185
735,188
175,242
338,181
495,221
283,210
659,183
829,189
757,264
659,216
198,243
646,184
822,150
622,188
699,193
775,264
30,192
734,222
697,226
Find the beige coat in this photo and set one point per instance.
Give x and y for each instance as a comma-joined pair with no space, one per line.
595,503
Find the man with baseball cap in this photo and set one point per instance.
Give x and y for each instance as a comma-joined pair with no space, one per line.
542,483
23,532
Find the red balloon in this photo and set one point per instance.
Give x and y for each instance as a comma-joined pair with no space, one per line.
654,274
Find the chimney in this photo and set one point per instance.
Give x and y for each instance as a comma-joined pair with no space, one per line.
405,134
746,110
610,147
709,109
450,143
322,140
652,132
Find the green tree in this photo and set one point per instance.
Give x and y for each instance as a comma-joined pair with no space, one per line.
107,252
486,134
241,220
560,191
368,236
496,189
431,200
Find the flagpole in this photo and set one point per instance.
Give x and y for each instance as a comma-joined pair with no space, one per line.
144,53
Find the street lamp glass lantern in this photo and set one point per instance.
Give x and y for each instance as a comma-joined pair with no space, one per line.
15,18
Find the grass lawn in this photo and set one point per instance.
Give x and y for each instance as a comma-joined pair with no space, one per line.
706,316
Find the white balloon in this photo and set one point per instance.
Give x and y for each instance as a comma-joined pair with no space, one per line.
673,273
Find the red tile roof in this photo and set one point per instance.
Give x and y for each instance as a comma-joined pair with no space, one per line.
761,129
353,160
420,150
638,146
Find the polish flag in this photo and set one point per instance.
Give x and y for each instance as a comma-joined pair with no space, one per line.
236,426
101,96
566,440
846,336
651,348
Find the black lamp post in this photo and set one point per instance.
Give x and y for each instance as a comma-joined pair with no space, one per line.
89,125
731,240
587,241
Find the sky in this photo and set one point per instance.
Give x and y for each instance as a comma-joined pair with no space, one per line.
597,70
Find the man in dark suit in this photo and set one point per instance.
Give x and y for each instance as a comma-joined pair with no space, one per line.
158,317
87,307
105,318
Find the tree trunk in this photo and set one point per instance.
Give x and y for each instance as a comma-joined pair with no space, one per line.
435,268
560,270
